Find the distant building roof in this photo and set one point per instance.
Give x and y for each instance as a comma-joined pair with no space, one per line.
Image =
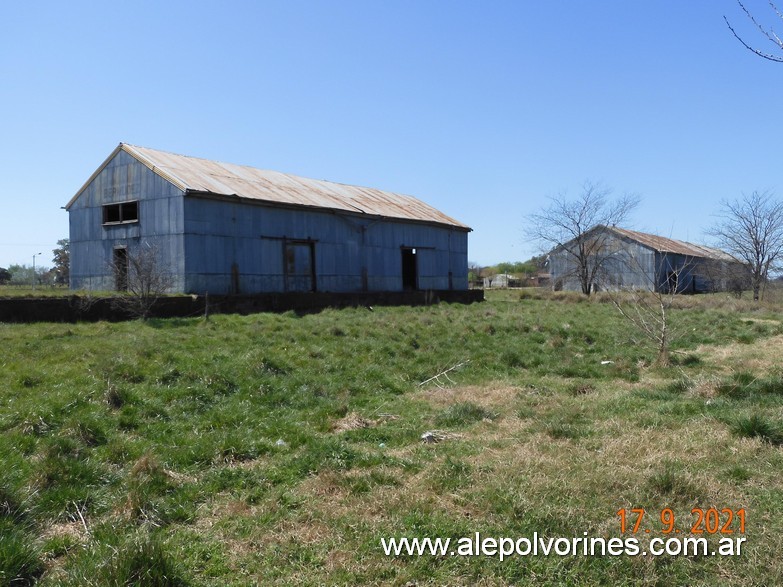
668,245
196,175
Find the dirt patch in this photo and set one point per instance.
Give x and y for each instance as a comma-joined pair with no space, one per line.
74,530
353,421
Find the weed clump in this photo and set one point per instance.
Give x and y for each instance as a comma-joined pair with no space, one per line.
672,483
463,414
20,562
147,482
745,384
142,562
581,389
757,426
679,386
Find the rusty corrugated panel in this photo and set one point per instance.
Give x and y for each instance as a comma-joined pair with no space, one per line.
202,175
668,245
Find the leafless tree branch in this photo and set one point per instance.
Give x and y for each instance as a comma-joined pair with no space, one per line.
444,375
648,309
568,224
146,280
751,229
768,33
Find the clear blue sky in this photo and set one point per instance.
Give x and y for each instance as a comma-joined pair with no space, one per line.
481,109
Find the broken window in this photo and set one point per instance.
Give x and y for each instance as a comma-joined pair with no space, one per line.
121,213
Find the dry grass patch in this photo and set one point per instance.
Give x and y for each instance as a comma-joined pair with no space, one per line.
353,421
493,396
759,356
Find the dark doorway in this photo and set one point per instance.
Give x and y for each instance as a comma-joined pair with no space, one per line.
672,282
300,266
410,270
120,262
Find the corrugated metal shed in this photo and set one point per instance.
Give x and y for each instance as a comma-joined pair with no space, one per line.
667,245
203,176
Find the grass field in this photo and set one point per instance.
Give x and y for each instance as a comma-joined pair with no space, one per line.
278,449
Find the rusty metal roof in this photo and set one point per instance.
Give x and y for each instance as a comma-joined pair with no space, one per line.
668,245
226,179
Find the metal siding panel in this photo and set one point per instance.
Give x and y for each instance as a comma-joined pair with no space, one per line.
339,254
123,179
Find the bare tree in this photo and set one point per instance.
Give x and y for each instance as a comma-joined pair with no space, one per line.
751,229
767,32
144,278
648,309
573,226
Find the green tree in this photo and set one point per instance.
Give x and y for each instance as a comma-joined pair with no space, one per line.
20,274
5,276
62,262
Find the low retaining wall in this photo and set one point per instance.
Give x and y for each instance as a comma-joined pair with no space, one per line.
78,308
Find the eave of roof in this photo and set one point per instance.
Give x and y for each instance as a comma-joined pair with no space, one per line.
206,177
668,245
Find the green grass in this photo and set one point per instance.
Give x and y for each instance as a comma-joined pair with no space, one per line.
279,449
27,291
757,426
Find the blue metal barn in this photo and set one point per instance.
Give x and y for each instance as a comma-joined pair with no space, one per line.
627,259
222,228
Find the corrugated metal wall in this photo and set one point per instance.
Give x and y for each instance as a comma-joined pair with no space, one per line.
160,223
629,264
626,265
351,253
224,246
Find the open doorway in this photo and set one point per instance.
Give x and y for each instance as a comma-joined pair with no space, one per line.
300,266
410,270
120,264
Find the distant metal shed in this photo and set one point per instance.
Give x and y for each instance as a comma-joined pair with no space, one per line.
638,260
227,228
